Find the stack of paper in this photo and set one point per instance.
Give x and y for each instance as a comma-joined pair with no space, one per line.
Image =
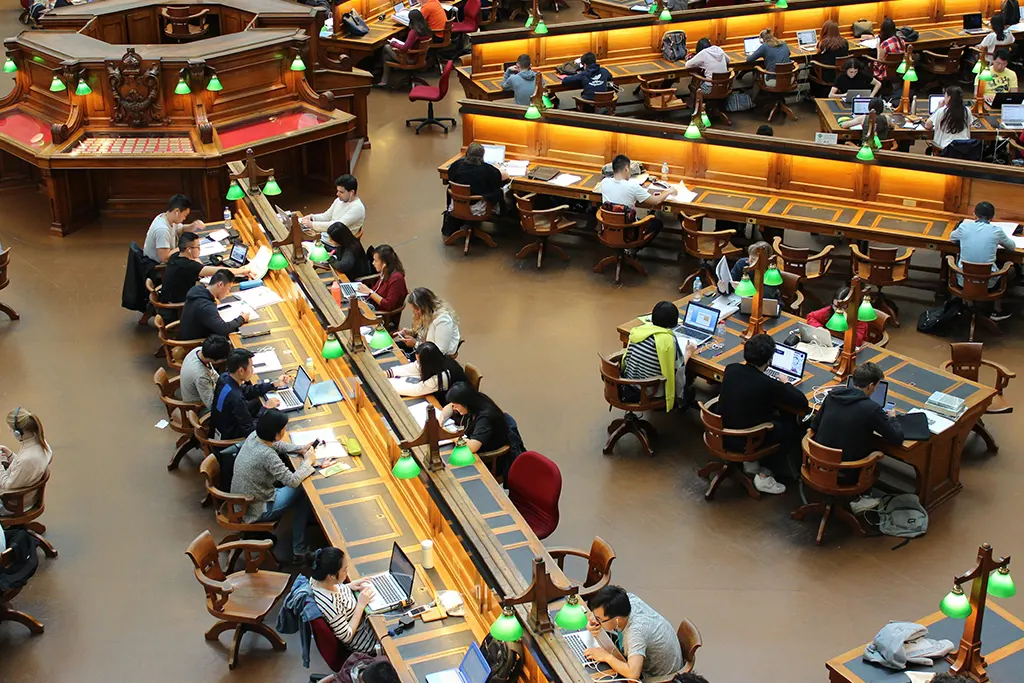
311,435
1009,229
565,179
870,43
266,361
229,312
684,195
516,168
258,297
218,235
208,248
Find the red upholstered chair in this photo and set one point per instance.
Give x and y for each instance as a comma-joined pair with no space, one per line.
534,486
470,18
431,94
331,649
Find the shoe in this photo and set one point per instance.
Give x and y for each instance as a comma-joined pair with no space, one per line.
767,484
996,317
863,504
753,467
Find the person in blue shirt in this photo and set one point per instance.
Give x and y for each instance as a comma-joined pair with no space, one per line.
592,78
236,400
979,243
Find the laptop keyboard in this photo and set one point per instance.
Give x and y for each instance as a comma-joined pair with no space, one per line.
386,588
775,374
288,399
577,647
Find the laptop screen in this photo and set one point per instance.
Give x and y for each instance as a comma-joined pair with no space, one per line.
751,44
972,21
494,154
238,252
808,37
880,394
1013,113
399,8
402,569
701,317
934,102
474,665
789,360
860,105
302,384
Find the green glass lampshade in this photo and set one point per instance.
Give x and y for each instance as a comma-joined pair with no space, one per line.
877,142
773,277
865,153
56,85
1000,584
532,112
332,348
406,467
277,261
977,67
667,16
298,64
955,605
271,189
319,254
653,9
507,628
9,66
986,74
902,68
705,120
82,88
235,191
546,101
745,287
214,84
529,21
692,132
461,455
380,339
911,75
541,29
866,312
837,323
782,4
572,616
182,87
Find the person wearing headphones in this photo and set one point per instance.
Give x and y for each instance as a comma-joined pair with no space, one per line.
28,465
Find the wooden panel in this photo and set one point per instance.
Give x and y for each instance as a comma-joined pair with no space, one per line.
495,54
738,28
255,78
955,8
515,135
143,26
232,21
627,42
575,145
913,12
560,49
822,176
1008,205
898,186
111,29
652,152
745,166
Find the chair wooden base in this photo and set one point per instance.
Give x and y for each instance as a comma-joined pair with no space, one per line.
887,305
467,234
11,313
631,423
539,246
721,472
780,105
36,531
619,260
184,444
826,509
990,325
242,628
430,120
8,614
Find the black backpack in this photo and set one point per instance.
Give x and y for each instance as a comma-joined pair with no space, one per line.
908,33
505,659
936,320
21,548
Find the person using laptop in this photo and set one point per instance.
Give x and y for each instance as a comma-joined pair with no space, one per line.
347,208
1003,79
738,268
708,61
484,180
418,33
621,193
236,400
341,602
890,42
646,639
883,122
184,269
773,51
592,78
198,377
854,76
433,320
347,254
998,38
432,373
389,290
979,242
652,351
161,233
749,397
200,317
849,419
821,316
952,121
260,467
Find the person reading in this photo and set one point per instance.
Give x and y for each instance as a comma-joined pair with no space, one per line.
200,317
646,639
620,193
198,377
162,231
185,268
652,351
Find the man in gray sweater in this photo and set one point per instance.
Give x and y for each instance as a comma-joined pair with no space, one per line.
521,80
198,376
260,463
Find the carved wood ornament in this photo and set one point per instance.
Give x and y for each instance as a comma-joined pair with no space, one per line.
136,91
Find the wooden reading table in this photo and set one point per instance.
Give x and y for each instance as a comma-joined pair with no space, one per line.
831,109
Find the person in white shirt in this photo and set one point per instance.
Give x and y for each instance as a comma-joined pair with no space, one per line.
999,37
710,60
163,231
433,320
347,209
26,467
621,191
952,121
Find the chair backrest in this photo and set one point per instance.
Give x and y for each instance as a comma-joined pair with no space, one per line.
463,200
471,13
613,381
657,97
701,244
178,21
473,376
446,36
414,58
967,150
613,231
892,62
534,486
785,78
331,649
206,560
442,84
231,507
25,504
721,85
5,261
202,431
882,265
965,358
599,562
801,261
789,290
715,435
975,285
524,203
821,467
876,329
822,74
689,640
943,64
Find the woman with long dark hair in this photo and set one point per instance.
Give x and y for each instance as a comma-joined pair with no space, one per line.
883,123
431,373
831,46
951,121
890,42
999,37
390,289
484,422
347,254
419,32
343,605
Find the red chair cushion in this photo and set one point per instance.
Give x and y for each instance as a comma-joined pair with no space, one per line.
330,648
534,487
464,27
430,93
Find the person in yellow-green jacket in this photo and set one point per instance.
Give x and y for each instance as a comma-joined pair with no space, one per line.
653,350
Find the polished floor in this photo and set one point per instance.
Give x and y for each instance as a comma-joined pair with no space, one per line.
121,603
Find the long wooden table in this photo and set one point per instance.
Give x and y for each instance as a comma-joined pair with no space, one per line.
936,462
830,110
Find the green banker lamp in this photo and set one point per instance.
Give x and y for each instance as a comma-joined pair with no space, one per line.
692,132
772,276
182,87
214,84
380,339
9,66
57,85
572,616
705,120
406,467
297,64
332,348
866,312
532,112
271,189
667,16
461,455
82,89
745,288
235,191
837,323
277,261
507,628
865,153
542,28
319,253
782,4
529,21
911,75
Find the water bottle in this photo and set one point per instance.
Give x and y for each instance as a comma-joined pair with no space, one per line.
227,218
697,286
336,292
310,368
664,170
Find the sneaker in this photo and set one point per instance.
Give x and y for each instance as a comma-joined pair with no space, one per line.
767,484
863,504
996,317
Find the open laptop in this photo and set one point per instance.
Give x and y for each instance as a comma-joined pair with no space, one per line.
473,669
769,307
302,389
699,323
1004,98
860,106
579,642
972,24
808,39
1012,116
818,336
787,364
852,95
393,587
934,102
494,154
880,394
751,44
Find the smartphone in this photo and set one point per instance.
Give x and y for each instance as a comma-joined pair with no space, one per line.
889,405
417,610
317,443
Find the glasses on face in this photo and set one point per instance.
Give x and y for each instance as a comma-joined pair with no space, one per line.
605,620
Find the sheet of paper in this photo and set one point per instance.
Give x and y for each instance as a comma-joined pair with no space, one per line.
936,423
311,435
819,354
684,195
565,179
258,297
208,248
1008,228
516,168
870,43
218,235
259,263
419,413
229,312
639,8
266,361
913,126
859,126
330,450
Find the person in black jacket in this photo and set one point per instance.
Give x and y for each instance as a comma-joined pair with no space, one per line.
849,419
592,78
347,254
749,397
484,422
236,400
200,317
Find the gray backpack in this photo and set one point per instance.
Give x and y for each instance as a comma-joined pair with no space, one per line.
902,516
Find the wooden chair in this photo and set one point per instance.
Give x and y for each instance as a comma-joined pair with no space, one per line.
603,103
542,224
238,601
882,267
438,48
810,267
167,312
490,461
462,201
689,641
940,68
615,233
631,422
792,299
176,411
473,376
714,100
730,463
7,613
181,25
5,279
892,62
785,84
174,349
877,333
231,508
823,77
25,506
458,347
660,96
202,432
966,361
599,565
707,247
491,10
975,288
392,319
411,61
820,471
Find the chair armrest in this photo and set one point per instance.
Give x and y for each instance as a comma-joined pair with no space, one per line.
906,256
951,263
934,55
642,383
830,67
528,195
821,254
181,405
750,431
1002,370
222,443
254,551
542,212
947,366
798,301
659,91
863,462
222,587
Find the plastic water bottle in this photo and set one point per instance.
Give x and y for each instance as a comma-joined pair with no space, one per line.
310,368
227,218
697,286
336,292
664,170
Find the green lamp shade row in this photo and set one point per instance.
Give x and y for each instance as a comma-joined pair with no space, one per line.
461,455
1000,584
773,277
902,68
653,8
235,191
507,628
572,616
705,120
977,67
877,142
692,132
529,21
9,66
542,28
955,605
667,16
546,101
56,85
837,323
986,74
271,189
745,287
406,467
277,261
911,75
532,112
82,88
319,254
380,339
214,84
332,348
782,4
298,64
865,153
866,312
182,87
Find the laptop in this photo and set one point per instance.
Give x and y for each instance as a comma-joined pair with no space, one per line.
751,44
860,106
699,323
302,389
1004,98
473,669
808,39
787,364
401,14
494,154
852,95
239,256
934,102
880,395
579,642
972,24
818,336
393,587
769,307
1012,116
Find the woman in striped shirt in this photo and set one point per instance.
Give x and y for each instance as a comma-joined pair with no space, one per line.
341,609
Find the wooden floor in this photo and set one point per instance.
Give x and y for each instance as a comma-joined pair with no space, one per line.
121,603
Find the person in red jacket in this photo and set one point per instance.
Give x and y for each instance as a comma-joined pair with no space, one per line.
819,317
390,290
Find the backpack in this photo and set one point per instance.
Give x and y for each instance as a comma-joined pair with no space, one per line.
505,659
908,34
673,46
902,516
570,68
738,101
24,562
935,320
354,24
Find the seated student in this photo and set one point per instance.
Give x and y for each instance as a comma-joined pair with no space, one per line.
737,270
646,639
359,670
1003,79
483,179
418,33
831,46
749,397
998,39
890,42
484,422
337,600
773,51
653,351
28,465
184,269
259,468
236,400
1011,16
710,60
347,254
979,242
521,80
347,208
821,316
592,78
198,377
433,320
883,122
200,317
162,230
951,121
390,289
435,16
621,193
433,372
849,419
766,130
854,76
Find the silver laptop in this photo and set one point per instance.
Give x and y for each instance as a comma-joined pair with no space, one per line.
473,669
1012,116
751,44
851,95
808,39
818,336
787,364
972,24
579,642
494,154
393,587
699,323
769,307
294,397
